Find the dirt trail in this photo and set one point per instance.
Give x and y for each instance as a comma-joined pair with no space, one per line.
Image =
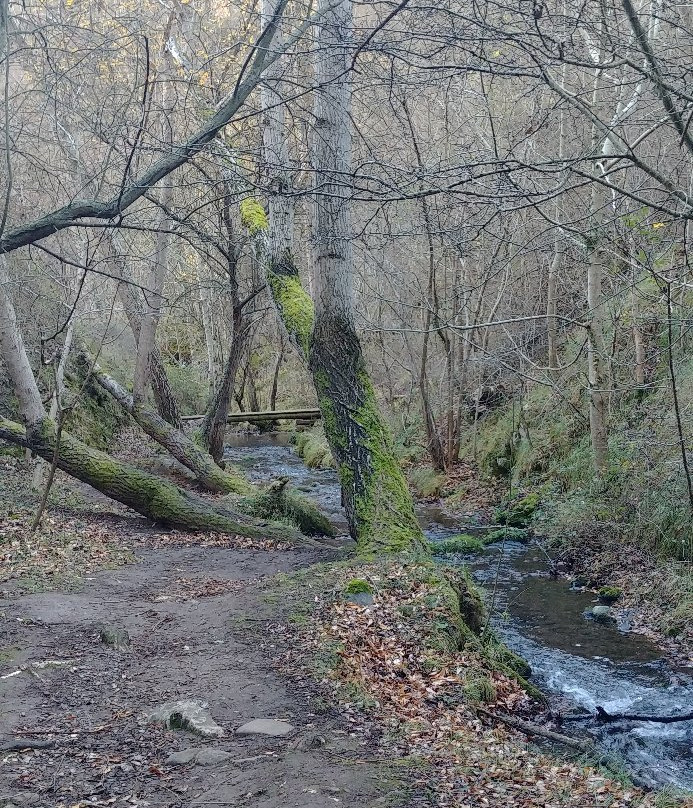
199,629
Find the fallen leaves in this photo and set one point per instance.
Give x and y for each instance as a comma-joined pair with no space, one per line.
386,667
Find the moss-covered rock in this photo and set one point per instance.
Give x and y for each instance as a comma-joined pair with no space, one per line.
357,586
609,594
518,534
518,513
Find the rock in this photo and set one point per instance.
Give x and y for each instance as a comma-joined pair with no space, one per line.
265,726
117,638
186,714
601,614
203,757
361,598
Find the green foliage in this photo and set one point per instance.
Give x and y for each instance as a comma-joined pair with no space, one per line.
670,797
357,586
457,544
426,482
479,689
518,513
609,594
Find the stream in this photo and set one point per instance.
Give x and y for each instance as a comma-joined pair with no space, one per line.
579,663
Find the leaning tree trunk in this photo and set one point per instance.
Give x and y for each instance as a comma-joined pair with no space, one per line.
175,441
213,428
379,507
155,498
150,496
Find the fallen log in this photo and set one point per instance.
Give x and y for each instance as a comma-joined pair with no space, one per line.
604,717
534,729
152,497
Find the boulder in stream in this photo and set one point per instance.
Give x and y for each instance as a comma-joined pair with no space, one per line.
601,614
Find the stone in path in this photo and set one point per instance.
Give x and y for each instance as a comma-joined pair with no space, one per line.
204,757
186,714
117,638
265,726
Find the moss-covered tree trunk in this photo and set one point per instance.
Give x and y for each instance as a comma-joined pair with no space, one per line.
157,499
175,441
379,507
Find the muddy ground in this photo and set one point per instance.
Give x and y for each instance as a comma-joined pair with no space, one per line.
200,627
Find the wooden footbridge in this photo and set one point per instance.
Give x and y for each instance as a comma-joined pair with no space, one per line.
303,417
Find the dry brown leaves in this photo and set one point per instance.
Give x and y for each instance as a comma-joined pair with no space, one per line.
418,699
179,538
61,548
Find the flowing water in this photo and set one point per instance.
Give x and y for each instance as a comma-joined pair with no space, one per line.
580,663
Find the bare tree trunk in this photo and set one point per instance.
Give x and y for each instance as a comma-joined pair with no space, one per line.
551,294
377,501
15,357
214,427
56,407
146,342
595,362
208,328
133,306
275,376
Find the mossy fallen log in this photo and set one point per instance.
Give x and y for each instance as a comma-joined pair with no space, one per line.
279,501
185,450
155,498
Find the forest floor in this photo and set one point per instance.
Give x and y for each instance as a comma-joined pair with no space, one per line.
241,627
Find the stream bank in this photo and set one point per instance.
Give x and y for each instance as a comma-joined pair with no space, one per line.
580,663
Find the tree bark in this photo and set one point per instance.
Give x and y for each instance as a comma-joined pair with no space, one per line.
175,441
213,429
595,362
551,295
152,497
130,299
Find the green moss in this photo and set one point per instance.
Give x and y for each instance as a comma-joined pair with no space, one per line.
386,521
519,513
457,544
253,216
96,418
356,586
295,307
519,534
286,504
609,594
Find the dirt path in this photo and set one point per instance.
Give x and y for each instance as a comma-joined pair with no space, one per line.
199,629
